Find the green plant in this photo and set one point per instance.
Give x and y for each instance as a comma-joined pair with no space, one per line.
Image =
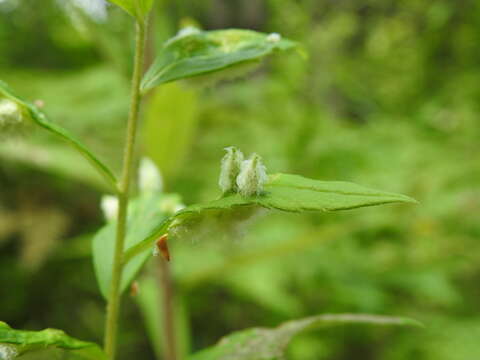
144,222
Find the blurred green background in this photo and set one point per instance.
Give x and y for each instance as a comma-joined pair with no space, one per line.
387,98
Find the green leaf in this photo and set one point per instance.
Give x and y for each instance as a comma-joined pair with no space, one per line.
32,342
144,214
270,344
297,193
168,141
136,8
40,119
194,52
292,193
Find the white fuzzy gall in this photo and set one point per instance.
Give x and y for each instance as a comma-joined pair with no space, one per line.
252,177
230,169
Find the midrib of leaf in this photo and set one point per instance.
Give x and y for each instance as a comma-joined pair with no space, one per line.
271,183
332,191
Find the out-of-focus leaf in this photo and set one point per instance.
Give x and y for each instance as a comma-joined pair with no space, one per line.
40,119
52,158
270,344
169,127
193,52
292,193
149,300
143,217
136,8
19,342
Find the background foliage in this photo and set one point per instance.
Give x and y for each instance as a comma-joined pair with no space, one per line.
387,98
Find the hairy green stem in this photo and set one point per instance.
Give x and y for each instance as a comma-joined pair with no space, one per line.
111,327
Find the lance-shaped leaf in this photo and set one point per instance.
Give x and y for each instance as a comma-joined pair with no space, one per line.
144,214
44,343
136,8
193,52
292,193
270,344
40,119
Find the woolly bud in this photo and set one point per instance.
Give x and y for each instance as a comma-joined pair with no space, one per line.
252,177
231,164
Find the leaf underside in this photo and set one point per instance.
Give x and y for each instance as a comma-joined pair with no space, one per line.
270,344
203,52
291,193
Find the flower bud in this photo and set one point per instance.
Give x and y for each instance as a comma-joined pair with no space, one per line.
109,206
231,164
150,178
252,176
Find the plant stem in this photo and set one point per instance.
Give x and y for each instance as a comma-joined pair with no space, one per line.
113,305
168,309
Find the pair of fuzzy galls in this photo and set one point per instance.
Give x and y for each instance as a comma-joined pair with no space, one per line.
246,177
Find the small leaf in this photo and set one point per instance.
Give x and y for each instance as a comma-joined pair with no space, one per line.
40,119
21,342
144,214
136,8
270,344
286,192
194,52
